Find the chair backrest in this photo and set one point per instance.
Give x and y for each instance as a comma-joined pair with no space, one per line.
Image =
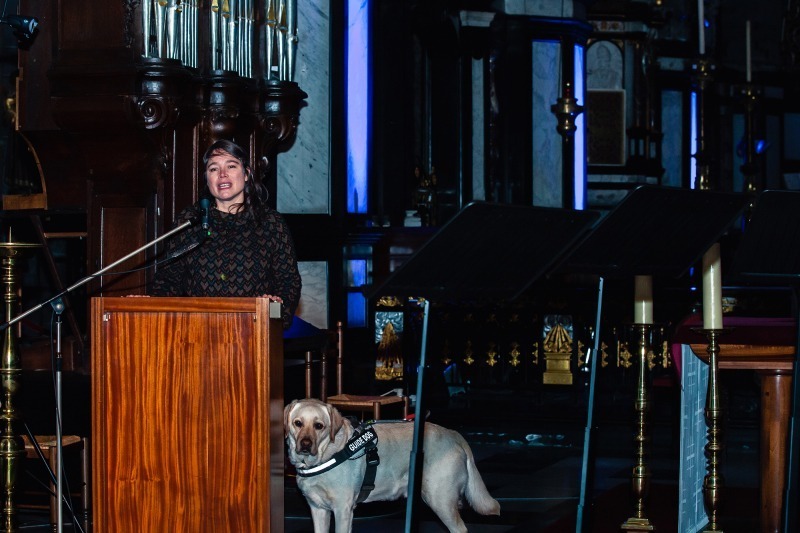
331,353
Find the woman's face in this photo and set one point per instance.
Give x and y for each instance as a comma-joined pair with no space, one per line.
226,177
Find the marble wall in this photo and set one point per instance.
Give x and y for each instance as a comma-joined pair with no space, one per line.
313,306
304,171
478,133
546,149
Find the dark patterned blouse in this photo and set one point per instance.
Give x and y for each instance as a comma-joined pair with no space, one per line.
241,257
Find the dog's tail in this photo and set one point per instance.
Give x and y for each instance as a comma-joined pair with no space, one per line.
477,494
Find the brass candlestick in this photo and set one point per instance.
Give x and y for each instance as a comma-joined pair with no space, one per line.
12,448
566,110
640,482
703,70
713,481
750,168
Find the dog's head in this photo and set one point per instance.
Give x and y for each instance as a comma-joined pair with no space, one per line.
310,426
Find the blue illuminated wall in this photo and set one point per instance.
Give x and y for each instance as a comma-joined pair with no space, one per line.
579,201
693,142
356,271
358,104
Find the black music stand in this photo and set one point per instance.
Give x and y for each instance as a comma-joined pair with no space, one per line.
656,231
487,251
769,254
631,241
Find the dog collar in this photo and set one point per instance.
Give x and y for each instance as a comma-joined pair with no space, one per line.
364,438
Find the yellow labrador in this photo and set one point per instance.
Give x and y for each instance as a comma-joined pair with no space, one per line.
320,441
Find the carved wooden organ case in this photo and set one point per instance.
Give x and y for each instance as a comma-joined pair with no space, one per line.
117,101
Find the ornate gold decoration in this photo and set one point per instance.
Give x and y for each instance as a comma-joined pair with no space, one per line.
535,353
581,353
389,301
651,360
557,356
389,364
603,355
492,355
666,356
623,355
558,340
515,353
446,353
468,359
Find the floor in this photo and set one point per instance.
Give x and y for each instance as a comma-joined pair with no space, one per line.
531,459
529,450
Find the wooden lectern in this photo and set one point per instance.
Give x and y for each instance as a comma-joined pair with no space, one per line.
187,415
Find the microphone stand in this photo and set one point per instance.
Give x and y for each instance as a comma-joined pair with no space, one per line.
97,274
58,307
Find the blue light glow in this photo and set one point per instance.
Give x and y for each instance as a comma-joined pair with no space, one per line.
356,303
357,272
579,201
693,141
358,104
356,310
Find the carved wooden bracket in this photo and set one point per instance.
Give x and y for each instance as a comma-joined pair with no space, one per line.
279,115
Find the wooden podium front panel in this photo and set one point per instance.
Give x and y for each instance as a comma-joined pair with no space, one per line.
187,419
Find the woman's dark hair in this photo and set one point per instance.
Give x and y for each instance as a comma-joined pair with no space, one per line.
255,193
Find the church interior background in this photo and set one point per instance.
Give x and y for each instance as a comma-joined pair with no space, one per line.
381,122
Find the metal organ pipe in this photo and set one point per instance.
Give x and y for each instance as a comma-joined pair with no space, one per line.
170,29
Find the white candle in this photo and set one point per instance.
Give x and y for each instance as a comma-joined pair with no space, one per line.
701,30
747,48
712,289
643,300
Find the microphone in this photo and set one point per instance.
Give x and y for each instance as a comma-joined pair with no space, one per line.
24,29
205,204
26,26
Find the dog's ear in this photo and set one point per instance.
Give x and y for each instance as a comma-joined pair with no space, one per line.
336,421
286,411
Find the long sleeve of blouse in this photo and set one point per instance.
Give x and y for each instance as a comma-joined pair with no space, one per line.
242,256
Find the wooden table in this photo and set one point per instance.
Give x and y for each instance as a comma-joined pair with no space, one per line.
771,355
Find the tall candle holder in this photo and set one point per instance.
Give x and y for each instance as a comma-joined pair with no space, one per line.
713,481
750,168
566,109
640,481
12,448
703,73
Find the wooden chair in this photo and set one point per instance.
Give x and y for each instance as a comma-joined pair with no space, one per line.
47,444
341,400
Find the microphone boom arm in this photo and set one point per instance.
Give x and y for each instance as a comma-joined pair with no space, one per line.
97,274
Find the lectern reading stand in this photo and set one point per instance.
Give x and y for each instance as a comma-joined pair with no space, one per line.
187,415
